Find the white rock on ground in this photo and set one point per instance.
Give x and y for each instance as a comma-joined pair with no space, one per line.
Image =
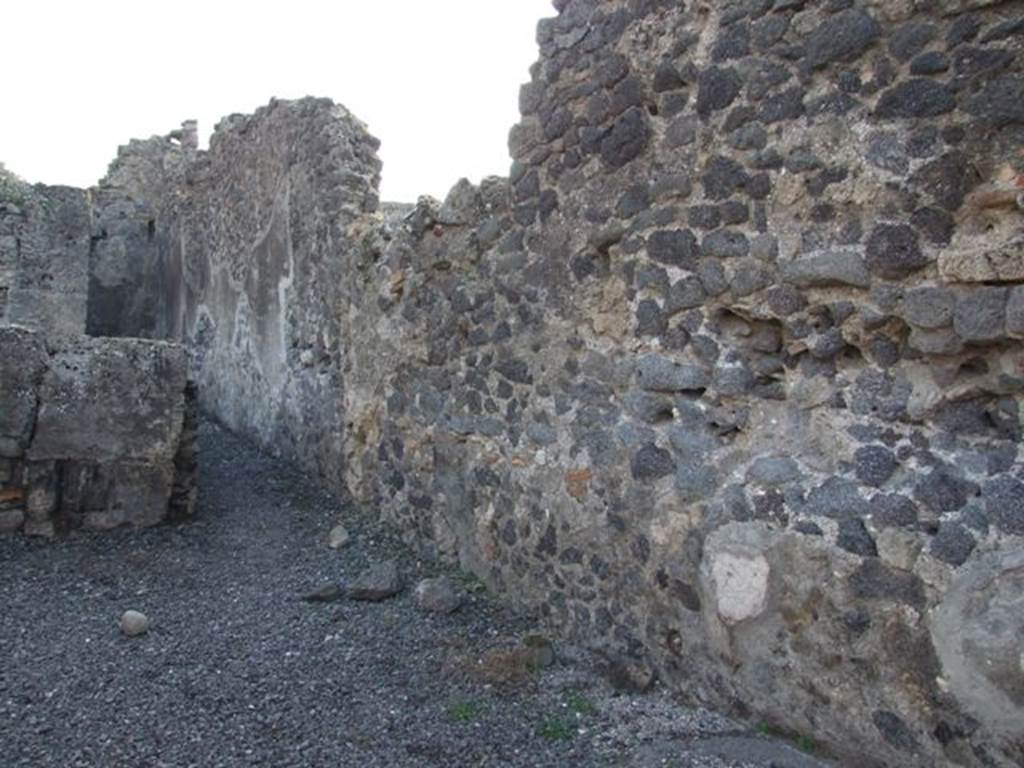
438,595
338,537
134,623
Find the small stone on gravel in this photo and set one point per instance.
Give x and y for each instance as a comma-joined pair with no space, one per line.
378,582
325,594
134,623
338,537
438,595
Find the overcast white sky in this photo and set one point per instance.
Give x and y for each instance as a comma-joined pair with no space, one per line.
437,81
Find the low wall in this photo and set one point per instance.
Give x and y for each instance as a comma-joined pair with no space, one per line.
94,433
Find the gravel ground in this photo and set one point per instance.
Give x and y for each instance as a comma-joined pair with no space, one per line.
236,670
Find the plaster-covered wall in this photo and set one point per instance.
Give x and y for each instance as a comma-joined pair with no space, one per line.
248,261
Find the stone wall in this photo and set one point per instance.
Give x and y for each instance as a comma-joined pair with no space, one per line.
94,433
724,380
728,379
44,255
134,263
249,267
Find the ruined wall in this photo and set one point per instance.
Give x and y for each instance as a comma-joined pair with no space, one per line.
253,274
44,255
94,433
134,262
725,379
730,379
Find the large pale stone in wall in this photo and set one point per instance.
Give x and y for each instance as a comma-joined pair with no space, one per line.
995,263
111,399
978,631
953,7
735,572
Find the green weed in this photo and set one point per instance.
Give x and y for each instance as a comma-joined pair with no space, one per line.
465,710
557,729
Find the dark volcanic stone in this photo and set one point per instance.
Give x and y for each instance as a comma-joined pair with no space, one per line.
725,243
941,491
910,39
656,373
893,251
785,300
854,538
750,136
875,464
935,224
930,63
634,200
963,30
980,314
947,179
970,63
712,277
722,177
666,78
328,593
952,544
717,88
773,471
769,30
918,97
652,463
734,212
750,276
843,36
873,580
894,730
627,139
1000,102
685,293
704,216
732,43
650,321
1004,502
1008,28
675,247
628,93
762,76
929,307
788,105
893,511
837,498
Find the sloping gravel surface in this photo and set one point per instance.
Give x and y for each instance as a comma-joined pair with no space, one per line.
236,670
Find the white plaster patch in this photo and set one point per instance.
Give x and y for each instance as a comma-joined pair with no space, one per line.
741,585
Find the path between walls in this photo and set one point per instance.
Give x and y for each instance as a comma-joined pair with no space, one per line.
237,670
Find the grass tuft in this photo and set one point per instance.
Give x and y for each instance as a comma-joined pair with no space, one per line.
557,729
465,710
580,705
